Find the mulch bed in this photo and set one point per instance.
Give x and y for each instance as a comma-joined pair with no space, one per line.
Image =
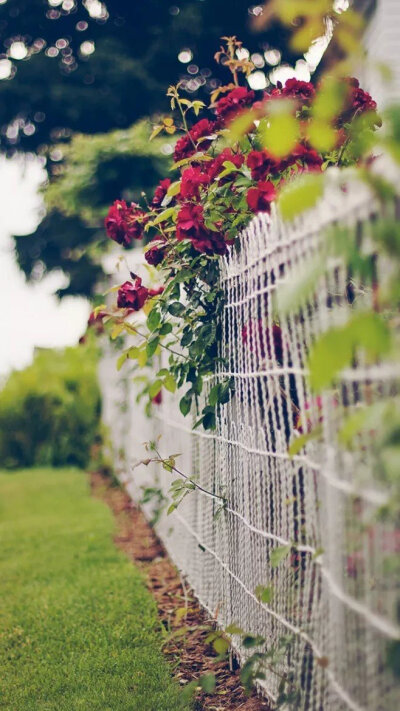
186,623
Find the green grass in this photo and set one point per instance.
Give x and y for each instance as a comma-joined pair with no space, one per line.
78,628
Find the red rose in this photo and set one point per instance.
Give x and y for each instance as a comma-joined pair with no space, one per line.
124,223
210,242
216,166
358,102
230,105
190,142
309,157
190,222
259,198
192,179
190,225
184,148
296,89
262,164
160,192
201,129
156,252
132,295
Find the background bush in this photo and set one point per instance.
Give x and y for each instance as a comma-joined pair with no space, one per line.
50,412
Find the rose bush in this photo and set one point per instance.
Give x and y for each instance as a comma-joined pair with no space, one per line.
229,165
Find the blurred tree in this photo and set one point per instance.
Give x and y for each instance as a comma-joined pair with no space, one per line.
88,67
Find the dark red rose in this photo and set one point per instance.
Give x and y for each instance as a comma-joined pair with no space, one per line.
155,253
160,192
308,158
132,295
188,144
190,225
296,89
259,198
210,242
190,222
125,223
231,104
192,179
358,102
201,129
362,101
262,164
184,148
216,166
257,336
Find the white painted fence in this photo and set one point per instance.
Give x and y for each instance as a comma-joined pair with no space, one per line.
339,607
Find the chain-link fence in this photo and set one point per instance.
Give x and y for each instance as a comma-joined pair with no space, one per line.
306,527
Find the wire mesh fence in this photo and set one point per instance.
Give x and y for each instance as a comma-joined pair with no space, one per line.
305,526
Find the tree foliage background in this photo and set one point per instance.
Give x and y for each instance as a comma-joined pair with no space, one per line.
91,67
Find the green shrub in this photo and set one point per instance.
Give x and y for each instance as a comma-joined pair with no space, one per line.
50,412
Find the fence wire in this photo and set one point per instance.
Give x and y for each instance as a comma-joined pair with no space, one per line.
333,596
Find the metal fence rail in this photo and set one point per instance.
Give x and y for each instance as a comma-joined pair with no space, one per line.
334,594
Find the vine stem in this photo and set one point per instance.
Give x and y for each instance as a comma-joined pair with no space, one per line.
188,478
145,338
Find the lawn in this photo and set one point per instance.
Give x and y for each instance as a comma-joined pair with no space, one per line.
78,628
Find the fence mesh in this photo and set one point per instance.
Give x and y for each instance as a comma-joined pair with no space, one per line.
333,595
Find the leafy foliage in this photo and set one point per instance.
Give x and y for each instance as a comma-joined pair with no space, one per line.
225,170
49,412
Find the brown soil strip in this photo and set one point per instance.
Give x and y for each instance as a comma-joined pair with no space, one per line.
185,621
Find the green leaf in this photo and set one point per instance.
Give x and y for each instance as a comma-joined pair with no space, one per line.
152,346
264,593
233,629
301,441
176,309
279,134
155,388
209,421
322,136
185,404
301,286
302,194
165,329
174,188
221,645
117,330
277,555
250,641
164,215
153,319
121,360
169,383
335,349
241,125
171,508
208,683
186,337
213,396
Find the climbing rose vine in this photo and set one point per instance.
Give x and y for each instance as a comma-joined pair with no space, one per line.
227,166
